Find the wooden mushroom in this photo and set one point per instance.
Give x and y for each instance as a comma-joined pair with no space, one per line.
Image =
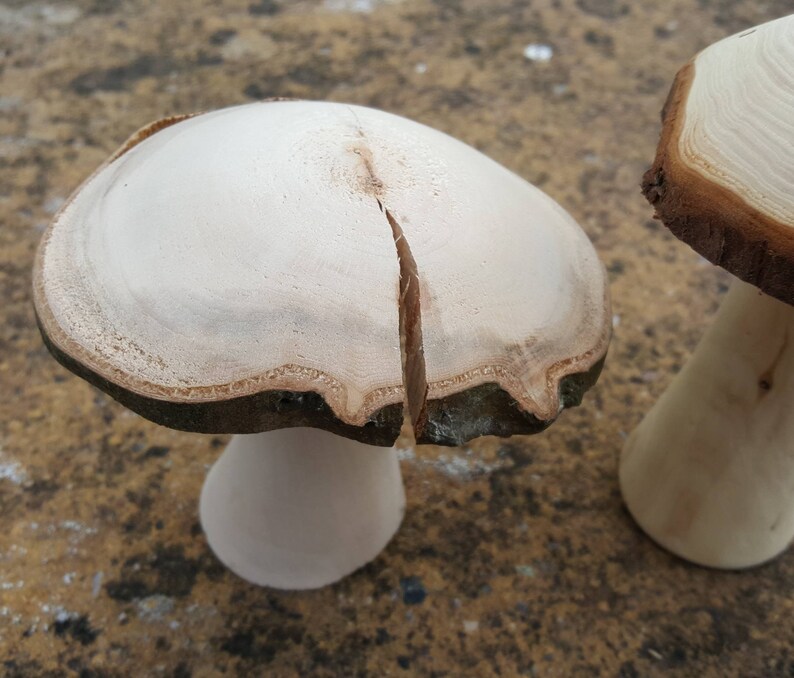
323,269
709,473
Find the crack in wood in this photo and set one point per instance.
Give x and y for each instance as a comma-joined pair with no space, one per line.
411,346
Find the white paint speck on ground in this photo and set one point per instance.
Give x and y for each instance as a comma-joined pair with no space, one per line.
154,608
407,454
10,585
537,52
11,469
96,584
11,103
249,45
54,204
196,614
36,16
60,15
74,526
462,467
421,68
471,626
357,6
525,570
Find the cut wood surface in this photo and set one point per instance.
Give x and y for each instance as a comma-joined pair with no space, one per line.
724,168
708,473
251,250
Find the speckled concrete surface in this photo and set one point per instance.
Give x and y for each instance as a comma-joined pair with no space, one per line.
516,557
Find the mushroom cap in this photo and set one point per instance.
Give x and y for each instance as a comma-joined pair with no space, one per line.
239,271
723,178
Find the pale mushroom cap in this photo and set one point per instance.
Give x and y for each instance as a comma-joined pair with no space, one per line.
723,178
739,129
247,250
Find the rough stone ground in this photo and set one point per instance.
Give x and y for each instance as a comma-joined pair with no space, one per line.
516,557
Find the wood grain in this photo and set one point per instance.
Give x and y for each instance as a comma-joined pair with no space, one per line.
724,170
249,251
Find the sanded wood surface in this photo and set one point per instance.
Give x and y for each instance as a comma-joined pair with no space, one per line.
516,558
724,167
709,472
252,249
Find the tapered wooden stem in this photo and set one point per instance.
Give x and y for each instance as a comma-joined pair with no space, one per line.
709,473
301,508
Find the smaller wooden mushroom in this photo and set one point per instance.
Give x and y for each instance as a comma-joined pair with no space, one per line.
331,271
709,473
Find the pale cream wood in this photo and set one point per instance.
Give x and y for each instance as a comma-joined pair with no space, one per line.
737,127
249,249
300,508
287,248
709,473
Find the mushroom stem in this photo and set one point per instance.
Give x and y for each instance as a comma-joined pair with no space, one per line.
709,473
300,508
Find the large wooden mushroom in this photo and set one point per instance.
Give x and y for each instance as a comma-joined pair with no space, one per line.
709,473
320,269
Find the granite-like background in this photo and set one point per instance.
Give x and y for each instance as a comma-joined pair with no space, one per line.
516,557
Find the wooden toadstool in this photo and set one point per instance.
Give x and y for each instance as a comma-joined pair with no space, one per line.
709,473
321,269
